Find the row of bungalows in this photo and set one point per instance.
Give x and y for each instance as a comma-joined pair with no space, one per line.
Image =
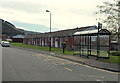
57,37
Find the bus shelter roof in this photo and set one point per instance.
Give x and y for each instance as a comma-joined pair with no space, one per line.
92,32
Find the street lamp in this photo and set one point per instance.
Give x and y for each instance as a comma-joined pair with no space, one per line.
50,30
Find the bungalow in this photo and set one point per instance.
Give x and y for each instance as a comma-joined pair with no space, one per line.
18,38
57,37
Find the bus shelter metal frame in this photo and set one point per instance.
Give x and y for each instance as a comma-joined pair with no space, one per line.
86,36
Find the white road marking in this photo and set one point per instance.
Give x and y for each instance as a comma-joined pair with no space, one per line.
68,69
100,81
52,53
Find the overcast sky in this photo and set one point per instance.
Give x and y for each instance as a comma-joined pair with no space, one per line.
66,14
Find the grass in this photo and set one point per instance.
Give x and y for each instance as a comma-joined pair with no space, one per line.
113,59
67,52
43,48
29,46
93,52
115,53
102,53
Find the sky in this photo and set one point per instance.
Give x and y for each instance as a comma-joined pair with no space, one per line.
65,14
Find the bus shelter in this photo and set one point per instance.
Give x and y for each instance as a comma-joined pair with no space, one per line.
92,43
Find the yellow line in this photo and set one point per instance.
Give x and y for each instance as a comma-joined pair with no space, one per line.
54,63
99,69
106,71
77,64
68,69
60,63
33,55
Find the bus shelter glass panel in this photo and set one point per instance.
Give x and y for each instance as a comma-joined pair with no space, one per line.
84,45
104,45
94,45
76,45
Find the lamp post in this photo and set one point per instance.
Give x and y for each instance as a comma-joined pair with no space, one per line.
50,31
118,25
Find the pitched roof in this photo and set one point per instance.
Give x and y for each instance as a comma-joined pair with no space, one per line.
18,36
68,32
90,32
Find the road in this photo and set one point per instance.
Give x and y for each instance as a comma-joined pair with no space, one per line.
0,63
22,65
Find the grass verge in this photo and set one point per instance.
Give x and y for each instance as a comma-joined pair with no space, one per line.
114,57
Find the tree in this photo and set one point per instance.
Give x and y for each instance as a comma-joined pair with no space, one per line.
111,11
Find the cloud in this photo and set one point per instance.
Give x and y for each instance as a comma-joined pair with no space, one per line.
32,27
65,13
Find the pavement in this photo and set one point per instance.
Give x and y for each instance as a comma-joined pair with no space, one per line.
92,62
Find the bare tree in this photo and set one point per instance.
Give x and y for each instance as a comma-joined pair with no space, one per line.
112,12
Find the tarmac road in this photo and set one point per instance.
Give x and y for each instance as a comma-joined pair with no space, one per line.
22,65
0,63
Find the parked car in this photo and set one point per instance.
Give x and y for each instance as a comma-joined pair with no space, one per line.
5,44
1,42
